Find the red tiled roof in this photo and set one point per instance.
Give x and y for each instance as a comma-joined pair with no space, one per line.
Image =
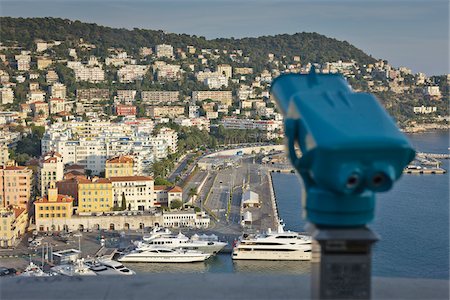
172,189
18,211
131,178
74,166
120,159
14,168
52,153
176,189
159,187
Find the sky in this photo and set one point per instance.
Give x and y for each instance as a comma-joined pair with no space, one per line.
411,33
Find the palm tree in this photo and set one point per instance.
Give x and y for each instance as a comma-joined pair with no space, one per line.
192,192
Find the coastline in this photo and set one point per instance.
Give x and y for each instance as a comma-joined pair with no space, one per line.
425,128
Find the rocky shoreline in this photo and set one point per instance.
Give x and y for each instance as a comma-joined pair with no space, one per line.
425,127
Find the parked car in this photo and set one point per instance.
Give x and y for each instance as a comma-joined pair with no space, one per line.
7,271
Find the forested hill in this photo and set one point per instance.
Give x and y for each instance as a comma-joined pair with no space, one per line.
312,47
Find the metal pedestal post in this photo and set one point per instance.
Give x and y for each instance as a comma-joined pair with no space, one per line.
341,262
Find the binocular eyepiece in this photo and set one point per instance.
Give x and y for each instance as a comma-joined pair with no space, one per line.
351,148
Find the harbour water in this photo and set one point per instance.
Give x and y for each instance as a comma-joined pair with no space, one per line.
412,220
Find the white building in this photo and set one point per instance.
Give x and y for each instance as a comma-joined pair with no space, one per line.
164,50
432,91
91,143
58,90
200,123
51,170
424,109
90,74
225,70
23,62
168,72
130,73
138,192
6,95
186,219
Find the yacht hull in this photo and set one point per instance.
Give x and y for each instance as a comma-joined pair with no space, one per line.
163,259
270,255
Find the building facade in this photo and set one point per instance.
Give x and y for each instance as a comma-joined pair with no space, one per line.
15,186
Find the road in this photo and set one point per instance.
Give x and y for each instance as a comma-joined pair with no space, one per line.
179,169
233,181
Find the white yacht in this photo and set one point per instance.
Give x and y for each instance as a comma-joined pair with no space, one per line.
76,269
280,245
204,243
108,267
155,254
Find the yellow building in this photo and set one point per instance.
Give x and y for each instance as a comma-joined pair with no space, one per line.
52,207
95,195
13,223
119,166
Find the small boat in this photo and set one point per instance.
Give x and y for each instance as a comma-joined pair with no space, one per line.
76,269
117,266
155,254
33,270
108,267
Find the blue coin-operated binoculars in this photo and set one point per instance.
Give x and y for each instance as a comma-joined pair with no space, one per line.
351,148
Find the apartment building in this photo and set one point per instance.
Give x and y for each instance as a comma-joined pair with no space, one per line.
91,99
51,169
13,223
95,195
125,96
225,70
52,207
165,111
4,154
23,62
125,110
6,95
224,97
201,123
58,90
136,191
15,186
89,74
157,97
165,195
164,50
130,73
121,165
168,72
56,105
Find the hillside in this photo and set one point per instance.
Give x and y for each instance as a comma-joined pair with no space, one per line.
312,47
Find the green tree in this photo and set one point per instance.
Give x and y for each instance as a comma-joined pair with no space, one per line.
192,192
176,204
124,202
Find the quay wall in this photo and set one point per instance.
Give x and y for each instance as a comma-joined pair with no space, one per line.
115,222
273,198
